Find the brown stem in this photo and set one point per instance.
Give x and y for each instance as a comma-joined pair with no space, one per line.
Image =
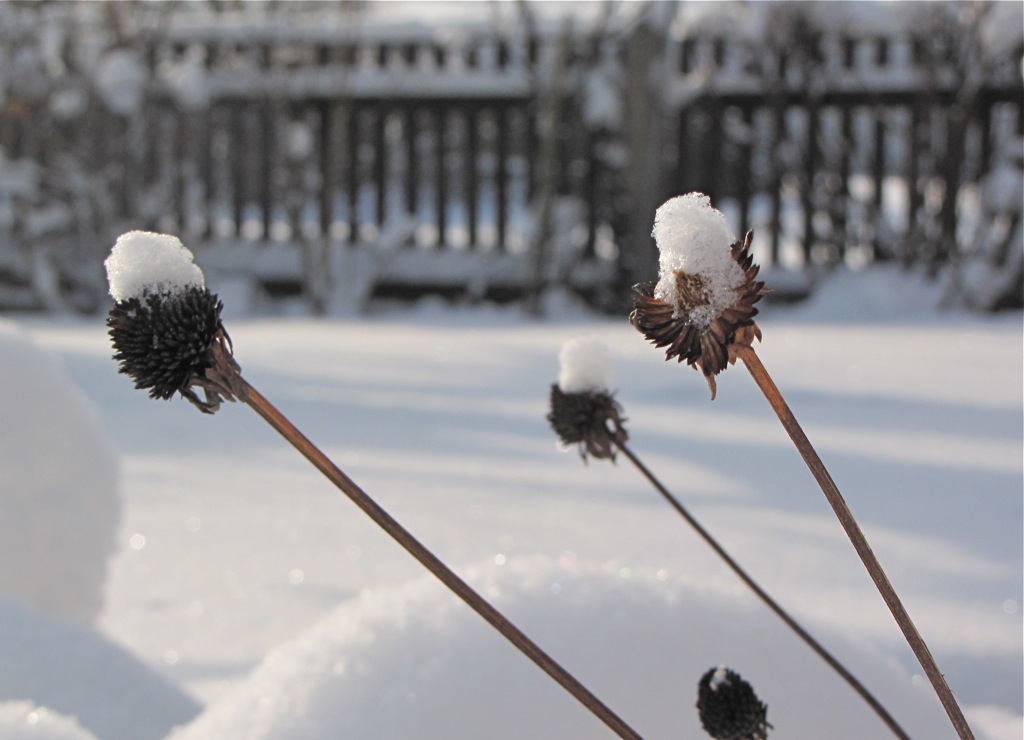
768,600
853,531
277,420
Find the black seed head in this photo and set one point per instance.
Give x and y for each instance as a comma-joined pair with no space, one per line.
163,341
728,707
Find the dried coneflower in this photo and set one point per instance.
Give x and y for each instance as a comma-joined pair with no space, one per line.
165,325
704,300
168,336
729,708
583,412
702,310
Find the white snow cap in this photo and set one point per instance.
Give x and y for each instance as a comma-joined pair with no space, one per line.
585,365
720,678
695,238
144,262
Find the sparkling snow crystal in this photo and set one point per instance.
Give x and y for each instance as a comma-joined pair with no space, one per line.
144,262
694,238
586,365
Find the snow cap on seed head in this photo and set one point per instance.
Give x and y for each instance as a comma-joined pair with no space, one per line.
585,365
694,238
583,411
143,262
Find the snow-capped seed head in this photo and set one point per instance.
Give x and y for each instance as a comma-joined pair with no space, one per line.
143,262
702,307
165,325
590,419
728,707
695,243
585,364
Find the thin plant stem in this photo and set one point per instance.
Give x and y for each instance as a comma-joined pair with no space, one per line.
496,619
856,536
817,647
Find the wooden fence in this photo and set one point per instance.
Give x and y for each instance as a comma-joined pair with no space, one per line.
336,138
865,144
279,149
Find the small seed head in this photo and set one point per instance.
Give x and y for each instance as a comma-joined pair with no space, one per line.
589,419
728,707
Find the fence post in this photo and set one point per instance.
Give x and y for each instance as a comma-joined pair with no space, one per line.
645,129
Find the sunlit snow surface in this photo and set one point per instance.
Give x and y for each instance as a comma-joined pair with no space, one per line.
245,578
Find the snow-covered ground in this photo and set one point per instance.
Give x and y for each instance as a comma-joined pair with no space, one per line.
247,598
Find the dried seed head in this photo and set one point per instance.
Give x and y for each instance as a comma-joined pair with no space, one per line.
589,419
728,707
165,324
170,342
695,326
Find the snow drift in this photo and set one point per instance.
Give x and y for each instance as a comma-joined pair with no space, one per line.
59,501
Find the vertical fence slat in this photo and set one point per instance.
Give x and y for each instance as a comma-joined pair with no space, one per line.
440,173
412,170
810,177
207,171
352,172
325,148
502,143
380,162
471,159
914,174
878,175
267,152
746,169
775,187
183,135
239,145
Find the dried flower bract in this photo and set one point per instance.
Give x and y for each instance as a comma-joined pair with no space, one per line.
703,342
175,342
728,707
590,419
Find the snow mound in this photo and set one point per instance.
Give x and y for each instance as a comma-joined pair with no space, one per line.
59,500
413,662
75,672
23,720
